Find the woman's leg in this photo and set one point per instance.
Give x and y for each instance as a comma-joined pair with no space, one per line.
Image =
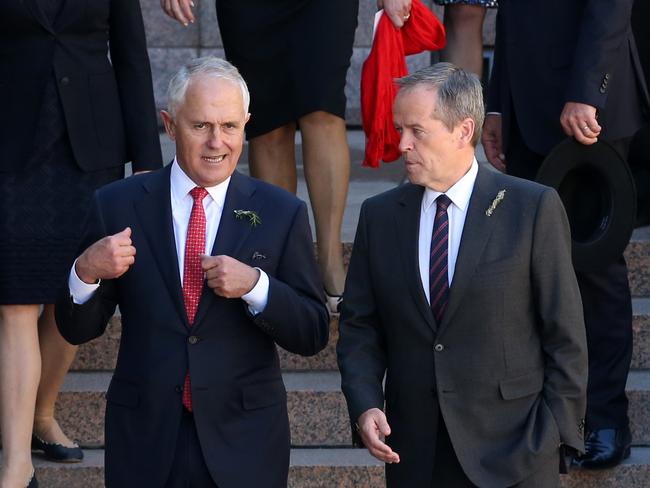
272,157
326,158
56,356
20,370
464,26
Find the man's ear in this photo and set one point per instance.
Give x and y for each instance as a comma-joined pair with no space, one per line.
466,131
168,122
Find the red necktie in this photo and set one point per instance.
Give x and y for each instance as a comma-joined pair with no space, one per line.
192,272
438,267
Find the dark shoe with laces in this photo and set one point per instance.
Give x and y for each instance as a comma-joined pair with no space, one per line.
57,452
605,448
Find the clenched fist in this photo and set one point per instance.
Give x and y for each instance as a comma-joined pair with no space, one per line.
106,259
228,277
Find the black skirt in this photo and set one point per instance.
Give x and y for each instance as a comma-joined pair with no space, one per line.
43,209
293,54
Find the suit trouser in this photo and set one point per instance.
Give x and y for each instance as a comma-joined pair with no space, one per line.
448,473
607,306
188,468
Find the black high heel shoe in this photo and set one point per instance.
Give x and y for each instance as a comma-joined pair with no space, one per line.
57,452
33,482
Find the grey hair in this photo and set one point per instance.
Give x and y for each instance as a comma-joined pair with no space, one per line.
208,65
459,94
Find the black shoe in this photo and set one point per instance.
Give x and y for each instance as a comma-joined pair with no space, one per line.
605,448
33,482
57,452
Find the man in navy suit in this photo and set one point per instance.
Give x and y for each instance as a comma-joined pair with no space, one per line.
571,69
197,397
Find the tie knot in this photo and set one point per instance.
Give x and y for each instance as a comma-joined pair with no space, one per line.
443,202
198,193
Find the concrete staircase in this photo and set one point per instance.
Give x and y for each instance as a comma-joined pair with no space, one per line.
322,455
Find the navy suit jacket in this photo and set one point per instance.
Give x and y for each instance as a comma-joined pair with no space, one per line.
549,53
108,102
238,396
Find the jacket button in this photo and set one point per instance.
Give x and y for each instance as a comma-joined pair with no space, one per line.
607,76
438,348
65,81
178,389
602,89
192,339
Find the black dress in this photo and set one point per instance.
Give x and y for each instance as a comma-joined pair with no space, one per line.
293,54
43,206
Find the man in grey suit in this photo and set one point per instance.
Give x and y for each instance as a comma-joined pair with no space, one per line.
461,293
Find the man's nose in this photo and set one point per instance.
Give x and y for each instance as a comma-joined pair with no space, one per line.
405,143
216,138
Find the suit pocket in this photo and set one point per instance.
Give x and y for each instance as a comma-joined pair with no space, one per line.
522,386
122,393
263,394
496,269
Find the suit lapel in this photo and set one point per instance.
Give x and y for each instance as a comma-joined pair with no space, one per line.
34,7
476,232
407,223
155,214
69,10
232,232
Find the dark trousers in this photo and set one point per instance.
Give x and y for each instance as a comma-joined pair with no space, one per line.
448,473
188,468
607,305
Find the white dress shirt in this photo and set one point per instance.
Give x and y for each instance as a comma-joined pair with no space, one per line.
459,194
181,203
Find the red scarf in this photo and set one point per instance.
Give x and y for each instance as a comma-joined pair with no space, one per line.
423,31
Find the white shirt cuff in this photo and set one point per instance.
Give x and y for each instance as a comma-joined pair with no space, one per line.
258,297
79,290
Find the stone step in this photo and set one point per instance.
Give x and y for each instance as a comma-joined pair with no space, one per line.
317,410
637,256
101,354
343,468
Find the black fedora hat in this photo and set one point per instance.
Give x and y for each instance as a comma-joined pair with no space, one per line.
599,195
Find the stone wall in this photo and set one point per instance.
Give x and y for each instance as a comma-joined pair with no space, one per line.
170,44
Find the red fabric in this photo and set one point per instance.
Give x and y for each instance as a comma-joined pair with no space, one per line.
192,271
422,32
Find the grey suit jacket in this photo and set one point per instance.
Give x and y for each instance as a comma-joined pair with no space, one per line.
506,367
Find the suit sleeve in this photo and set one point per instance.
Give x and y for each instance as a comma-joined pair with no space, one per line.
295,315
82,323
361,346
559,306
605,26
128,48
499,74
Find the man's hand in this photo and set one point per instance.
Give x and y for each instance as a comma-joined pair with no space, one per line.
579,120
493,142
180,10
398,11
228,277
373,426
106,259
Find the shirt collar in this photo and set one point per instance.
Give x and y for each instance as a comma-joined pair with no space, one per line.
459,193
181,185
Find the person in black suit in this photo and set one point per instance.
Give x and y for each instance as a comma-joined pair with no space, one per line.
224,271
71,118
460,293
572,70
